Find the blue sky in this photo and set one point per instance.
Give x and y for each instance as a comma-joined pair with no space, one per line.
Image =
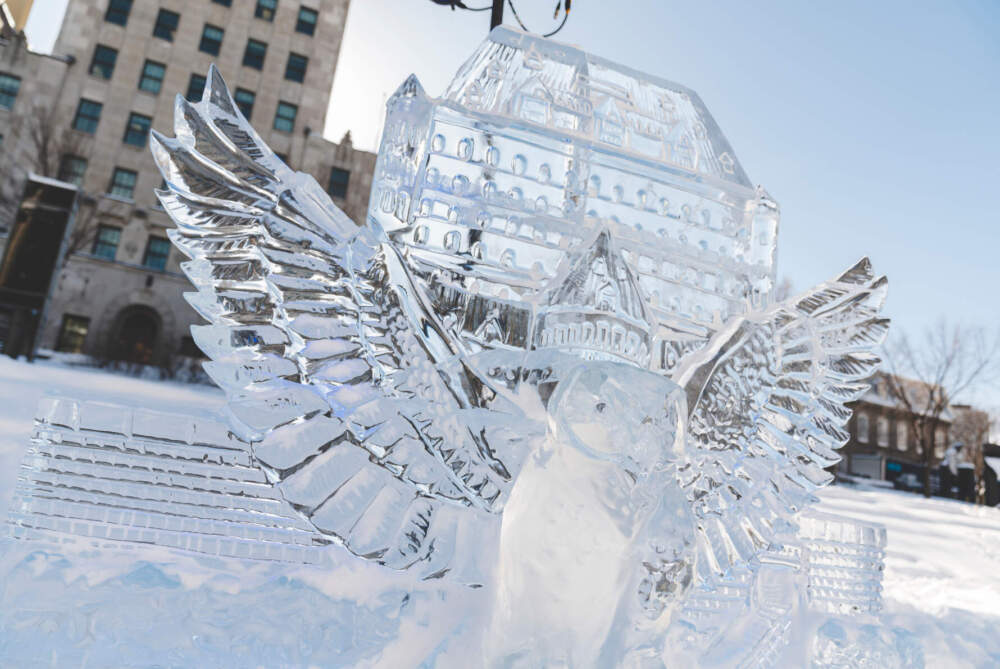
874,124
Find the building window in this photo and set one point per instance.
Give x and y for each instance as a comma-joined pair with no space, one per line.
9,86
284,117
211,39
940,442
118,11
306,22
88,115
123,183
266,9
296,68
106,242
337,186
151,79
157,252
244,100
103,63
166,24
254,54
224,3
137,129
72,334
72,169
901,435
862,428
196,86
882,427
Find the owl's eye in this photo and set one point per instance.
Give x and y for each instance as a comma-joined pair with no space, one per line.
601,406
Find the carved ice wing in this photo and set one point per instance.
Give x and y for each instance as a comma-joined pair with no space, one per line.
351,410
766,402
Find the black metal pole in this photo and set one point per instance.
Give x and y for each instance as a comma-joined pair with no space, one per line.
496,18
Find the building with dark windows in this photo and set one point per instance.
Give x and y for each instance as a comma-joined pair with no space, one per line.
882,445
119,295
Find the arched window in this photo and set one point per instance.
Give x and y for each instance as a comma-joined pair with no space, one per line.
940,442
882,424
862,428
902,435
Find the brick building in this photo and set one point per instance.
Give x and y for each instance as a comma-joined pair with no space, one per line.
882,445
119,294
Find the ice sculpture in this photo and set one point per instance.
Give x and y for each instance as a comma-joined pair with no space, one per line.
547,363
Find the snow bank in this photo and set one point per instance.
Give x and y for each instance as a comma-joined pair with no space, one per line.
139,607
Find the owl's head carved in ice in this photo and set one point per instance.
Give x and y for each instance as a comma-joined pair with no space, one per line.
620,414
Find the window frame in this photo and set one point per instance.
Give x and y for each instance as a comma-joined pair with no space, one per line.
64,335
149,247
124,171
144,77
251,60
265,13
217,42
243,92
279,117
119,9
109,70
299,23
940,441
64,171
167,34
863,435
297,58
882,430
9,91
204,82
94,104
131,133
346,182
100,243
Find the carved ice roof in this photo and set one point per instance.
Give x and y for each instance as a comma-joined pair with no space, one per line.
568,91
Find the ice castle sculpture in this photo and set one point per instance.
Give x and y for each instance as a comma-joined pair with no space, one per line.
548,363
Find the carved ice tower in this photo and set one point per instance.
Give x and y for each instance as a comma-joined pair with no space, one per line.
543,165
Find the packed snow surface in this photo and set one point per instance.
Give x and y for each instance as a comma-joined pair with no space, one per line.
151,607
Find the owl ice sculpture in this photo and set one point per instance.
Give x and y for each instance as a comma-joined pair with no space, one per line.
548,363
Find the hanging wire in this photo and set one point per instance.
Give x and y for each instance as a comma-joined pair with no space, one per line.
458,4
510,3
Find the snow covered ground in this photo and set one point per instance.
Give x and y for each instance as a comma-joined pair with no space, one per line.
942,579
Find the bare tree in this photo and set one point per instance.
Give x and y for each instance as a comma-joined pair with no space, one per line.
925,379
81,237
49,141
971,428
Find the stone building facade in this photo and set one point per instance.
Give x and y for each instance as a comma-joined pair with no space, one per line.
29,81
120,293
882,445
